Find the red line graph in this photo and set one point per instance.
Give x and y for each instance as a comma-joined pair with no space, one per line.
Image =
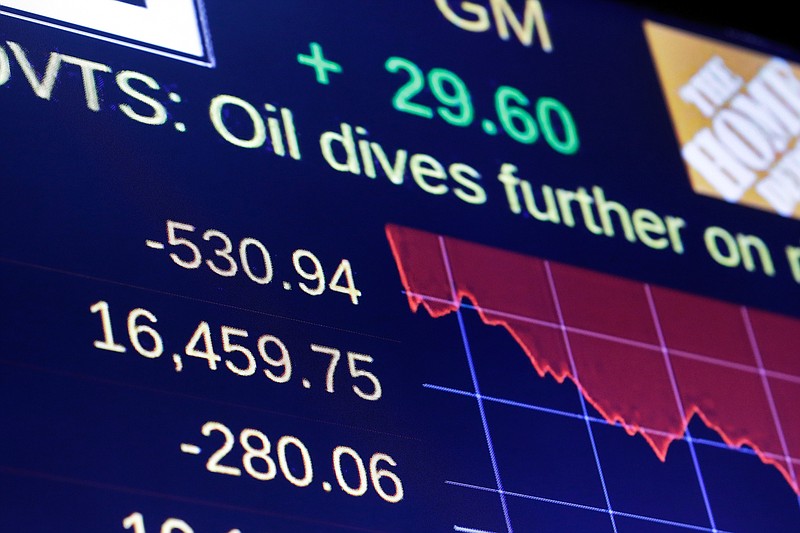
646,357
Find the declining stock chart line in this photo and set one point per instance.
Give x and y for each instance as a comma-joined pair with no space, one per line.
646,360
215,319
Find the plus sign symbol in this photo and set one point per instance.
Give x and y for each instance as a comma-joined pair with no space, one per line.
170,28
321,65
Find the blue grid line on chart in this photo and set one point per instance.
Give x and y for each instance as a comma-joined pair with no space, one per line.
476,386
589,421
462,529
633,516
665,352
603,421
564,503
574,369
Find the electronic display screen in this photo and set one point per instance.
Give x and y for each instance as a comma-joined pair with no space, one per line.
475,266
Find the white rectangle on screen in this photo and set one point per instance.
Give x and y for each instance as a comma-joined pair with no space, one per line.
171,28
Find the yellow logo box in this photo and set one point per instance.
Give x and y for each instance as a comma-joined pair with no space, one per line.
736,114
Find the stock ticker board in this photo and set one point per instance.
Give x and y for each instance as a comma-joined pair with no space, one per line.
481,266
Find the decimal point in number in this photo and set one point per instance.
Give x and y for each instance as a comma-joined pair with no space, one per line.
178,362
287,285
327,487
306,384
180,126
489,127
175,97
155,245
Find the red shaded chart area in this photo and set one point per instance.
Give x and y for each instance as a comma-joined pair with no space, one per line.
646,357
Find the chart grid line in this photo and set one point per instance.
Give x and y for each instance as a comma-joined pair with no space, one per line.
581,399
613,338
679,404
751,336
591,508
604,422
563,317
476,386
462,529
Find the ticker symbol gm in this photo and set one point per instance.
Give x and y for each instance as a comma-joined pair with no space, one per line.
172,28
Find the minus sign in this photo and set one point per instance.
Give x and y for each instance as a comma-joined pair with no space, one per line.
154,244
190,449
